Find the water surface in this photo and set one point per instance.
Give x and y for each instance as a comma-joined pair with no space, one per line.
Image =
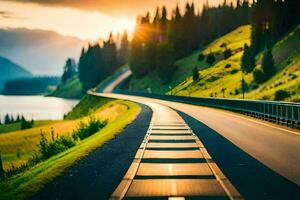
35,107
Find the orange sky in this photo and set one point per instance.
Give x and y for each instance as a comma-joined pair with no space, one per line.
86,19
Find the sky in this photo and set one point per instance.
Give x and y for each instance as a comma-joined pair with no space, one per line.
85,19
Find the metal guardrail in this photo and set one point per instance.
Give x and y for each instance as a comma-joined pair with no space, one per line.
283,113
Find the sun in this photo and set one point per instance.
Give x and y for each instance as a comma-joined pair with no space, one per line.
125,24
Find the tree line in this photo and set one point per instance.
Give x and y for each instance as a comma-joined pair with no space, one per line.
100,60
159,41
271,20
24,124
29,86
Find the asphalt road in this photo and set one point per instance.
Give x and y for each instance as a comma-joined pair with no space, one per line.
97,175
253,179
276,147
173,162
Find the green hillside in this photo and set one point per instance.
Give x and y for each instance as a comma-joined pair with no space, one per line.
225,75
71,89
180,79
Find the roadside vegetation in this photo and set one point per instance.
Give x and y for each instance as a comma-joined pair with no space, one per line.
258,59
34,157
224,77
10,124
97,62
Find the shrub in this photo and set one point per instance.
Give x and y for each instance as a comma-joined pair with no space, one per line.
281,94
196,74
85,130
234,71
227,66
56,145
236,91
26,124
201,57
227,53
223,45
210,58
13,170
259,75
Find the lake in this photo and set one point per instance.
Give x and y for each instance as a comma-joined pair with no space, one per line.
35,107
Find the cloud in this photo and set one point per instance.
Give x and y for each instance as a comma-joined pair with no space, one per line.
119,8
6,14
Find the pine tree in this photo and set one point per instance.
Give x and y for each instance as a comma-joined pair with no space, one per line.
18,118
123,52
7,119
196,74
69,70
248,60
163,24
268,64
210,59
165,61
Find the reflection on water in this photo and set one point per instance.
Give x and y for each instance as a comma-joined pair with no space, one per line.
35,107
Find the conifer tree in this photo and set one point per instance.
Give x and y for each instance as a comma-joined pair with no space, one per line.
196,74
165,60
210,59
268,64
248,60
123,52
7,119
69,70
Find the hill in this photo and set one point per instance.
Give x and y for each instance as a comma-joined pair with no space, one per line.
30,86
10,70
223,77
71,89
49,49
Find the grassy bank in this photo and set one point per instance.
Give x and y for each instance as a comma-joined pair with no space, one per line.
21,186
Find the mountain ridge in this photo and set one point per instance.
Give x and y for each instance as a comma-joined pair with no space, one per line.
48,48
10,70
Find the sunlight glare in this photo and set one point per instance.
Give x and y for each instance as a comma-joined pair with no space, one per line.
125,24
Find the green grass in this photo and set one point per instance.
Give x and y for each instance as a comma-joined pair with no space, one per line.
185,67
72,89
107,80
4,128
286,54
22,186
227,73
86,104
181,76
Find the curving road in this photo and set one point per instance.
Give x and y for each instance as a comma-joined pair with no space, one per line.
274,146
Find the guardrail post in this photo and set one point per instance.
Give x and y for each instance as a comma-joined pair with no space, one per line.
292,122
1,168
287,116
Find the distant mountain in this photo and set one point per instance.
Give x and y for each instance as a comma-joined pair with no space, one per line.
10,70
43,52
